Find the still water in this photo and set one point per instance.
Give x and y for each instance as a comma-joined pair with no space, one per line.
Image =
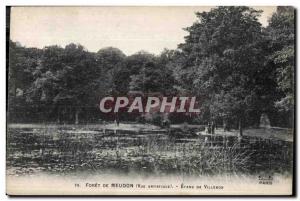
65,151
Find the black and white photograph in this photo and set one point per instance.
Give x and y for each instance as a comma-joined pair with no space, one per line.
150,100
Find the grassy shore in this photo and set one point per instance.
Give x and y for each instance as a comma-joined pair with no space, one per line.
285,134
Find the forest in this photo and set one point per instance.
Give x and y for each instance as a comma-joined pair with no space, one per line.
235,66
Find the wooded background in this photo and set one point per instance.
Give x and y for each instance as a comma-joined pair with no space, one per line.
238,68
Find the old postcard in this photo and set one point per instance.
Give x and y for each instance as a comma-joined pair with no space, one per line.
150,100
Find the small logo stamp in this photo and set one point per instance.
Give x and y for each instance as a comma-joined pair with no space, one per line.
266,180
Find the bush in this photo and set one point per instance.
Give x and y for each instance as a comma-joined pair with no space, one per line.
157,120
140,119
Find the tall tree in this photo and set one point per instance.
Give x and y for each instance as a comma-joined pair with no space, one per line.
154,74
138,66
22,64
222,56
281,33
111,61
165,61
66,79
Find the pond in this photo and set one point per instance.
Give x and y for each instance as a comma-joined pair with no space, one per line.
67,151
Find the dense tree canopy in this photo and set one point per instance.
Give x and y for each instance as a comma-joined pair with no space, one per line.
281,33
236,68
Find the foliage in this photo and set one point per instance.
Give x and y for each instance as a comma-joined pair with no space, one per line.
236,68
281,33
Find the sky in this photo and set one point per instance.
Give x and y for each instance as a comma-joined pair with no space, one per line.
130,29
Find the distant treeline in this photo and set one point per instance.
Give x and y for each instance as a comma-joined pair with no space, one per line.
238,68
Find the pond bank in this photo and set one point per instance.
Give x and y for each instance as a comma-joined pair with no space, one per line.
285,134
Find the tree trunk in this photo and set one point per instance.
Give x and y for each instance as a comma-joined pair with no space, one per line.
225,128
240,127
58,118
77,117
15,88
